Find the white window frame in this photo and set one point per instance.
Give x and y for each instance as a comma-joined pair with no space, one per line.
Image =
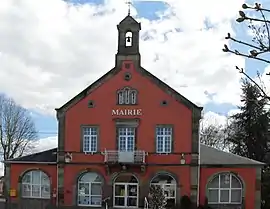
127,96
88,195
230,189
126,138
89,139
30,185
125,195
164,151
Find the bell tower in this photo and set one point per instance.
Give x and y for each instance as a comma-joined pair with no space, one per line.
128,40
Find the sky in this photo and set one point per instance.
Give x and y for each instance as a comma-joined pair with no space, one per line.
50,50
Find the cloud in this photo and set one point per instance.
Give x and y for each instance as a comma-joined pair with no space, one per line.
50,50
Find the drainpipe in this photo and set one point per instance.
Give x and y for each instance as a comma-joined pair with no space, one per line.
199,172
199,164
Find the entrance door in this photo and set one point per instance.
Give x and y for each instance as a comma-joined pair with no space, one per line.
126,195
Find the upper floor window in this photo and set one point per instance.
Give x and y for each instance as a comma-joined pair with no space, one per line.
127,96
164,139
90,139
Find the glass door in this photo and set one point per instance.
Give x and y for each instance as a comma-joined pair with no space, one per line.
119,194
126,195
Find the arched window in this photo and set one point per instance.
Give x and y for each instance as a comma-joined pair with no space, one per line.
89,190
127,96
36,184
168,185
225,188
128,37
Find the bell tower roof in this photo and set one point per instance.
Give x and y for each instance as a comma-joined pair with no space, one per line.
129,21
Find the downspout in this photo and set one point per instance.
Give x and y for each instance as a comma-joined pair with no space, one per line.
199,172
199,165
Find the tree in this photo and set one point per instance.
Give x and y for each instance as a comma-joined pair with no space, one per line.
250,135
214,136
17,129
250,132
157,199
259,47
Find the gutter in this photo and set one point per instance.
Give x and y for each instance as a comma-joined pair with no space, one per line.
28,162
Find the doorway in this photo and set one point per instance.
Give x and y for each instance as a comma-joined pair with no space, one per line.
126,191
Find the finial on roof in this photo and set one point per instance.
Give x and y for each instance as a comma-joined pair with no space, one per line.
128,2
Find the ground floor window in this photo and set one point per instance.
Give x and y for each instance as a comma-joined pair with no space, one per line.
168,185
36,184
90,190
225,188
126,191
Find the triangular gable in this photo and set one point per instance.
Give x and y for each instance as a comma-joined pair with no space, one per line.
159,83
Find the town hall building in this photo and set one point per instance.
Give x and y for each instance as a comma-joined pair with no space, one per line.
123,133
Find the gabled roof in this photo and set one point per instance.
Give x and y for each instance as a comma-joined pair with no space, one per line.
47,156
160,84
208,157
128,20
212,156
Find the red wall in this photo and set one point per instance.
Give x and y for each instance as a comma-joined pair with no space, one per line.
19,169
247,175
72,172
149,97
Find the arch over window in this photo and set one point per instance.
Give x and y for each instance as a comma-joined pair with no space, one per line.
225,188
36,184
89,189
128,37
127,96
168,185
126,178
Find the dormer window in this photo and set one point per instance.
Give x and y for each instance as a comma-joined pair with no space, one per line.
127,96
128,37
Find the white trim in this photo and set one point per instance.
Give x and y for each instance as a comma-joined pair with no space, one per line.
163,151
39,185
126,196
89,184
229,189
90,137
126,136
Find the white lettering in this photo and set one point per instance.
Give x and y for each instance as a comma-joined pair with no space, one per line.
124,112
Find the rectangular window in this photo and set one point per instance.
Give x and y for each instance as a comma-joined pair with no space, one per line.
164,139
126,138
90,139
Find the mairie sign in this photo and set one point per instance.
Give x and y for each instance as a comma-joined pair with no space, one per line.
123,112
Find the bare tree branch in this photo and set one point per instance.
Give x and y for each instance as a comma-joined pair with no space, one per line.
214,135
261,39
17,130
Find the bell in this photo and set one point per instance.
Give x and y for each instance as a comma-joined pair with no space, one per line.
128,39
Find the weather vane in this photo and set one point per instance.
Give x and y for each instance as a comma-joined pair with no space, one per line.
128,2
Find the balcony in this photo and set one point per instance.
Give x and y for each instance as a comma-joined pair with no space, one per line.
126,157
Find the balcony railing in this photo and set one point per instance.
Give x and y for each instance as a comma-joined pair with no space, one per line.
115,156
